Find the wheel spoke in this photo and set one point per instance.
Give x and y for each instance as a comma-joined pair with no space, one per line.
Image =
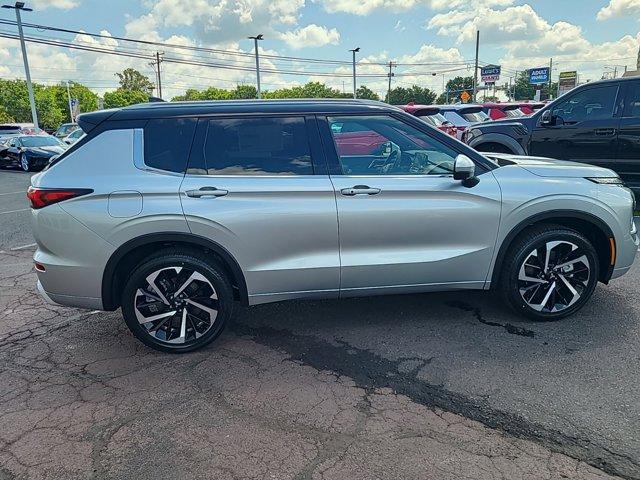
144,319
193,277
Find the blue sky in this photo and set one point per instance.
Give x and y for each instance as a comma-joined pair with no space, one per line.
587,35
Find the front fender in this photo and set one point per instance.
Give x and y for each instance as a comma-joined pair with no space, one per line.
499,138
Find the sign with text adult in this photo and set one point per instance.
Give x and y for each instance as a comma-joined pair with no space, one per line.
490,73
539,76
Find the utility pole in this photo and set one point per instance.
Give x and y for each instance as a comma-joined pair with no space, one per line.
550,75
255,46
357,49
158,62
17,7
475,70
69,99
390,74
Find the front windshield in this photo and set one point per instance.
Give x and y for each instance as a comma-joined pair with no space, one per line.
433,118
40,142
475,116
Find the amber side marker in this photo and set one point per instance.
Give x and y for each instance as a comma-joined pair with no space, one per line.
612,248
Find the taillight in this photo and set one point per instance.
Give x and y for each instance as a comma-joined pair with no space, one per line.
41,197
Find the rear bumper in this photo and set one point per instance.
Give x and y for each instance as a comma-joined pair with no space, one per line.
69,300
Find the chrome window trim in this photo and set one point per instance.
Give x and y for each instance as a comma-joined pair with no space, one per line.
138,155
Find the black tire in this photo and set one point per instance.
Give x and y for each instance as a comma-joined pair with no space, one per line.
187,261
522,249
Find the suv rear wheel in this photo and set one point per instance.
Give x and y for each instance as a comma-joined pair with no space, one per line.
549,272
177,301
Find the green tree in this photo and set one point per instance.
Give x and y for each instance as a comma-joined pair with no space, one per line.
454,89
4,115
50,115
122,98
14,100
132,80
366,93
88,99
244,92
415,94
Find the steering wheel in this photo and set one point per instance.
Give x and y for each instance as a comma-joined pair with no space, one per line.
394,159
443,162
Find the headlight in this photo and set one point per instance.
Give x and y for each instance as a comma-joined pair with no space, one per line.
606,180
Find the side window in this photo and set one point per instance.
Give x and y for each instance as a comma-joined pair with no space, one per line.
258,146
167,143
632,102
383,145
591,104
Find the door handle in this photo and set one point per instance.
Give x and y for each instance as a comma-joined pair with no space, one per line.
206,192
605,132
359,190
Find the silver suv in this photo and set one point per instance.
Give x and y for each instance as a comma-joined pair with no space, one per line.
173,211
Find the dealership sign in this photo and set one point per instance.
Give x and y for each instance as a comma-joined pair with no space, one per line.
490,73
539,76
567,81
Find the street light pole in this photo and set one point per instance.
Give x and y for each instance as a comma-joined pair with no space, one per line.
255,46
17,7
475,70
357,49
69,100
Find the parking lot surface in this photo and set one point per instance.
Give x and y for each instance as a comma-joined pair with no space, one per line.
418,386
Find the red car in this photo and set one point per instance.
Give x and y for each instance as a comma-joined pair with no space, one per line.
530,108
432,116
498,111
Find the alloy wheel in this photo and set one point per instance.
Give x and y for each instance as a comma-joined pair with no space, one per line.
176,305
24,162
554,276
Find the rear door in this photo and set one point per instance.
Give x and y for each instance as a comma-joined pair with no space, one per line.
629,137
405,223
584,129
258,186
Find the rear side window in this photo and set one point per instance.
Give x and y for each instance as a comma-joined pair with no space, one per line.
632,103
258,146
167,143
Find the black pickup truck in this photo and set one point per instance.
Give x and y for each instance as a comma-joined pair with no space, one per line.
596,123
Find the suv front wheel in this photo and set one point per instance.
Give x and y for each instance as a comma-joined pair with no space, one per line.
549,272
177,301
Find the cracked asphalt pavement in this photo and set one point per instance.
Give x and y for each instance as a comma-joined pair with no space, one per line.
433,386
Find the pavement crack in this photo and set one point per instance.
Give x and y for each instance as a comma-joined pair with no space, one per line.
509,328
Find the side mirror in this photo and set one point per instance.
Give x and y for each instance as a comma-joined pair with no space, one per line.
464,169
547,118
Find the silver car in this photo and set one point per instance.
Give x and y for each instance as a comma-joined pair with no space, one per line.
173,211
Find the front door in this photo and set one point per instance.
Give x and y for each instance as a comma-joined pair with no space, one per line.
584,128
405,224
254,187
629,137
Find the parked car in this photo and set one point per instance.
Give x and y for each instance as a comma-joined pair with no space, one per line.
29,152
463,115
73,137
172,211
529,108
596,123
65,129
11,129
498,111
431,115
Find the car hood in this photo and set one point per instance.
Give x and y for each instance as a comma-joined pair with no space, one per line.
46,151
549,167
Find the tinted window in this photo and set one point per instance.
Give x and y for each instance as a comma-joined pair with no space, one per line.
258,146
167,143
590,104
388,146
632,104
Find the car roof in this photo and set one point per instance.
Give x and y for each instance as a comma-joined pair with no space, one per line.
141,111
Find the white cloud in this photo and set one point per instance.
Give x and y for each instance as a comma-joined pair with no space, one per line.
62,4
365,7
311,36
619,8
